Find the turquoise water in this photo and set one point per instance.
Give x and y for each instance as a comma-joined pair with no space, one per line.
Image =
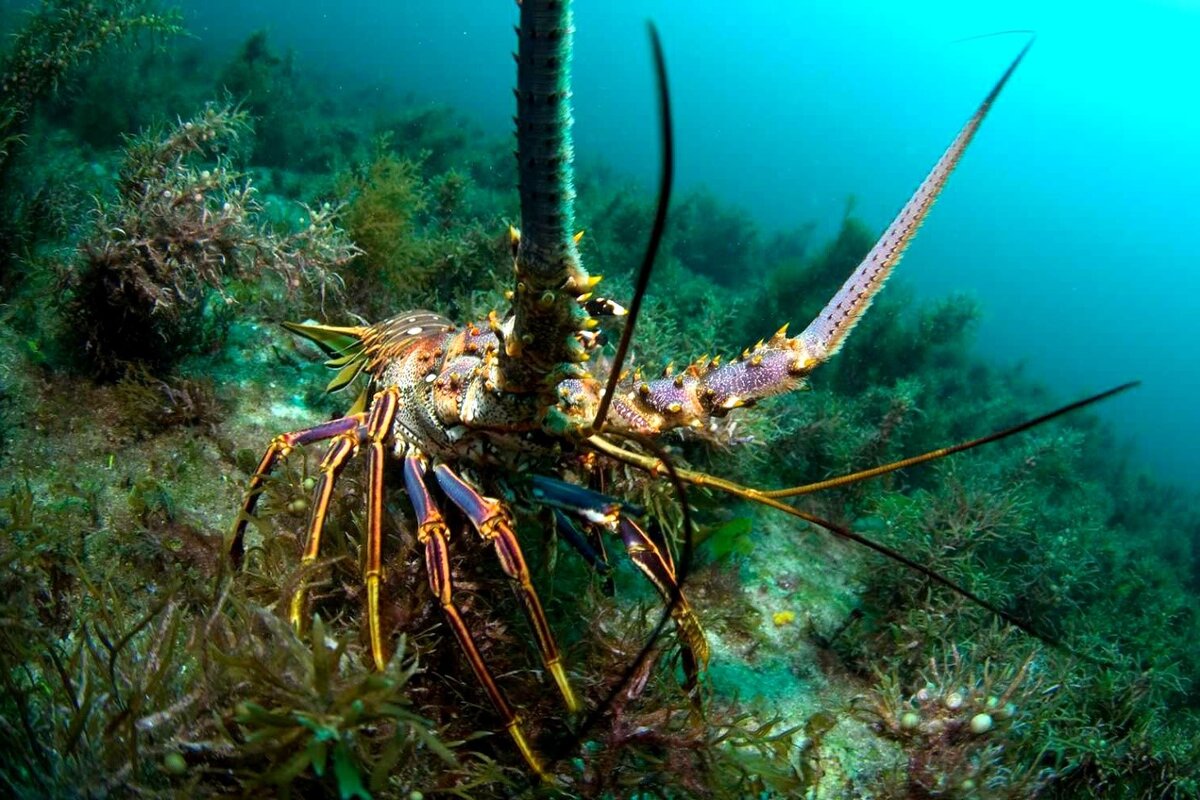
1071,220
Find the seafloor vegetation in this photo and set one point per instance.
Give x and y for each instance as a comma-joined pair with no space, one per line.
160,214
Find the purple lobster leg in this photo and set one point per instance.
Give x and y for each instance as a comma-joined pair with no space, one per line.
280,446
433,533
341,449
494,524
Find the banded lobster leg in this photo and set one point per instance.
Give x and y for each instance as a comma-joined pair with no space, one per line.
347,430
494,524
651,557
433,532
379,425
348,434
656,564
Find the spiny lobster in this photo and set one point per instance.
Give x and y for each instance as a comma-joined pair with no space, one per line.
462,405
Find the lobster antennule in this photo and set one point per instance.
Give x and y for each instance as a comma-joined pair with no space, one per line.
774,499
825,335
666,178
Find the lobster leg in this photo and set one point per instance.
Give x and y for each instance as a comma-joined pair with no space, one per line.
379,423
649,556
280,446
433,533
595,556
340,451
494,524
656,565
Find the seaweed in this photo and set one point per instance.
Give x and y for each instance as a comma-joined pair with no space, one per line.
56,39
421,246
158,272
133,662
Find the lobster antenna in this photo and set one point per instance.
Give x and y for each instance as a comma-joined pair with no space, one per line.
770,499
652,466
683,569
1032,34
666,177
942,452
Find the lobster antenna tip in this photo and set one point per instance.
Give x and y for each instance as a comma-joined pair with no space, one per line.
1032,34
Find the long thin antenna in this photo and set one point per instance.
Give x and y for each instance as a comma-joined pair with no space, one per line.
942,452
656,232
655,466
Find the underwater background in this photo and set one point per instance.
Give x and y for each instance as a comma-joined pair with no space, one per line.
178,179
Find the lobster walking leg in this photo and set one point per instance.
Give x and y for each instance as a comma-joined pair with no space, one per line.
280,446
494,524
655,563
379,423
340,451
433,533
593,554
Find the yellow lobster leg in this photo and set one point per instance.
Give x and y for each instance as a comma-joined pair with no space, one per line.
379,424
494,524
340,451
433,533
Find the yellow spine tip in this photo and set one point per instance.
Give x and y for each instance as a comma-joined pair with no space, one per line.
296,610
518,737
373,626
564,686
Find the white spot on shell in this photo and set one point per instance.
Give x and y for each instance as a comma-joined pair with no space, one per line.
414,330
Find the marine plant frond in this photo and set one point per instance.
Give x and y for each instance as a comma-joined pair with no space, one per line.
58,37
